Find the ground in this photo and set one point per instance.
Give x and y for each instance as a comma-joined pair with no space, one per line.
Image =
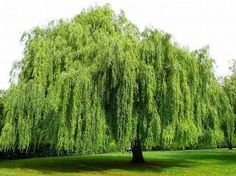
168,163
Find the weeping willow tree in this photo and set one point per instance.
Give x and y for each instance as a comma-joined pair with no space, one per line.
229,86
2,92
96,80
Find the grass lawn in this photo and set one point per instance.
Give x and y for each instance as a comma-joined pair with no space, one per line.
174,163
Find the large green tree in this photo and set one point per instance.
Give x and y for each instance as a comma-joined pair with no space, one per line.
96,81
2,92
229,86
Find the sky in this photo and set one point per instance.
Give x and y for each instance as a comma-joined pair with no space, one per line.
192,23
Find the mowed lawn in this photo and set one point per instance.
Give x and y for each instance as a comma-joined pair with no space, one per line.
166,163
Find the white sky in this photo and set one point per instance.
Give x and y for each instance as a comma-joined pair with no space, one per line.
192,23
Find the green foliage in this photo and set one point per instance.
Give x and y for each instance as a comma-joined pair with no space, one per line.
96,80
229,86
2,93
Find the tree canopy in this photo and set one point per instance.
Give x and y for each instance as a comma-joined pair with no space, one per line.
229,86
96,81
2,92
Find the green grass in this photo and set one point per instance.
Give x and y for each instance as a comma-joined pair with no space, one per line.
168,163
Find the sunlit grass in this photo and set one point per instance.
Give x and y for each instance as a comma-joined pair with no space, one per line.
195,163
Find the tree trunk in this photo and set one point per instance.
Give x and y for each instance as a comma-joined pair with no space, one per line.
230,146
137,152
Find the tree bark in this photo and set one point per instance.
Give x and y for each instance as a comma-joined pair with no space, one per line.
230,146
137,152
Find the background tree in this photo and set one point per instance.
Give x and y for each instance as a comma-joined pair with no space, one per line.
94,81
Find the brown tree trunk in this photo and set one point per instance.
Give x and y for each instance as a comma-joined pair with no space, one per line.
137,152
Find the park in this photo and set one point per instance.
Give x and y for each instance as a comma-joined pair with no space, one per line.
96,95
